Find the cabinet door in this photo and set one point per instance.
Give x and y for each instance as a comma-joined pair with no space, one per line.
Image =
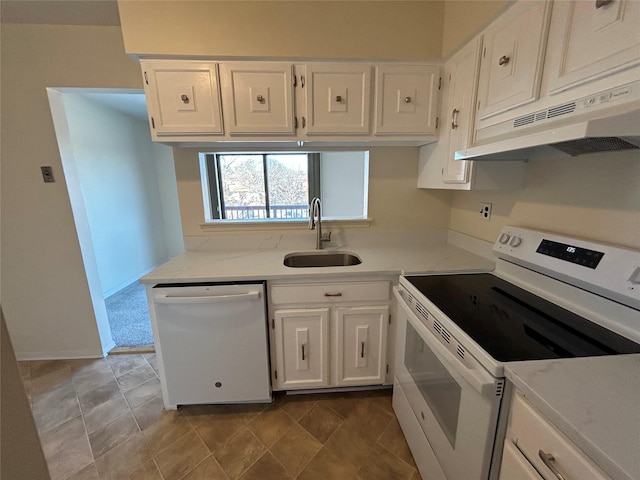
361,345
590,39
406,99
302,342
258,98
338,98
513,53
183,97
458,121
515,465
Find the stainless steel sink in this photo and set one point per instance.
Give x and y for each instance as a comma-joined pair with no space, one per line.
321,259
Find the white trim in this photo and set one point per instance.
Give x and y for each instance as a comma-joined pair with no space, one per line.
61,355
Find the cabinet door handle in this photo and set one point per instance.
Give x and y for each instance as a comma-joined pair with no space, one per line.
548,459
260,98
503,60
338,98
361,349
184,98
334,294
454,118
303,356
602,3
407,99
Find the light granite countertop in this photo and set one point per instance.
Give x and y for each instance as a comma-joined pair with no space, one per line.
594,401
261,257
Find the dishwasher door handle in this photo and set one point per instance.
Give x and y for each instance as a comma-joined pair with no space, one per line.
236,297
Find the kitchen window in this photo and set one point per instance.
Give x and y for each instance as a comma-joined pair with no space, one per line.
250,187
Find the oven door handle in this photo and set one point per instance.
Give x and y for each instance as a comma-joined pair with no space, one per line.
478,378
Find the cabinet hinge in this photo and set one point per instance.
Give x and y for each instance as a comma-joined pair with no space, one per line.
440,83
437,122
275,373
146,79
387,368
273,323
153,123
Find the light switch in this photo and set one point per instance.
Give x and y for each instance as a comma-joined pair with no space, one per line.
47,174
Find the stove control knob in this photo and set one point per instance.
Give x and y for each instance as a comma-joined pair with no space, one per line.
515,241
504,238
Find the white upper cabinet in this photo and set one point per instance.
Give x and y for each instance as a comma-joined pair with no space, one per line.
438,167
338,98
183,98
513,54
458,118
258,98
406,99
589,39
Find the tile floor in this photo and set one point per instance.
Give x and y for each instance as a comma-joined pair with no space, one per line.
104,419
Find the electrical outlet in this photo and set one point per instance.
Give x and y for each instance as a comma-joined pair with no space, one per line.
485,211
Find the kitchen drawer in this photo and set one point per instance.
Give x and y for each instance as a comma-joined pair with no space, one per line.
329,292
534,435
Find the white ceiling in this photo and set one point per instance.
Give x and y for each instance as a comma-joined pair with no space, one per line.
60,12
132,104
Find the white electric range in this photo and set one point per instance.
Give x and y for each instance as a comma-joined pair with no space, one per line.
549,297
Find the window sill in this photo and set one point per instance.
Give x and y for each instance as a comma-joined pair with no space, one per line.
262,225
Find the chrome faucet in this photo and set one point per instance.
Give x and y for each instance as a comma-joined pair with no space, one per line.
315,210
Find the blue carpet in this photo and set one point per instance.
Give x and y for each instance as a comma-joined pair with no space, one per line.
129,319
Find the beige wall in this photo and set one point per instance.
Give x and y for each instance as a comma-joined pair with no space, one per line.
593,196
464,18
394,201
407,30
44,287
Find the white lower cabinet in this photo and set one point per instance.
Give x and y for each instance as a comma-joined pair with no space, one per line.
329,334
361,341
302,343
535,449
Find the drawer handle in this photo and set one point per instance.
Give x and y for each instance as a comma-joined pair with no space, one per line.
303,356
548,460
335,294
602,3
361,349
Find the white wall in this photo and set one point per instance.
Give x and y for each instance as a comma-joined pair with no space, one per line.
344,178
595,196
119,177
45,294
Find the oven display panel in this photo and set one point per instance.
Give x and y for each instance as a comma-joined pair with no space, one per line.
570,253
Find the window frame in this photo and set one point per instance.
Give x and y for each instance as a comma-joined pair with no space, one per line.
214,181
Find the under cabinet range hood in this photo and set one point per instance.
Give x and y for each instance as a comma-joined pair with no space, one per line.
606,121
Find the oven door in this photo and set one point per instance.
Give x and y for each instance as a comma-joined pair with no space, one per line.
456,403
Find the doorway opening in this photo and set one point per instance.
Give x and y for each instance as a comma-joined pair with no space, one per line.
123,194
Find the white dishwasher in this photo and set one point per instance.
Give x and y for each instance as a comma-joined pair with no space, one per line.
211,342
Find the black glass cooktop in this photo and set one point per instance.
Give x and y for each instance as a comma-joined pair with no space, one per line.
512,324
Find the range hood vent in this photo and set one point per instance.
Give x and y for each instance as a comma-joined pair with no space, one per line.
592,145
606,121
